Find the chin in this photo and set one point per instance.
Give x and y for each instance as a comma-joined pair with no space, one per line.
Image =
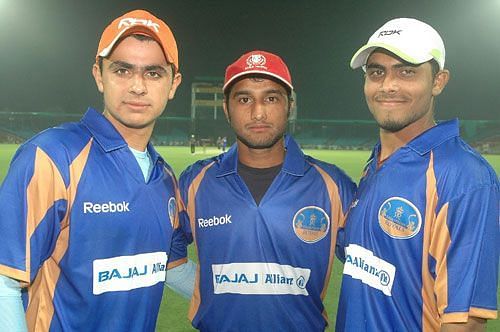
259,144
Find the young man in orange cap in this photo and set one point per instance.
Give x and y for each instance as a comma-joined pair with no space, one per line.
90,208
263,215
422,236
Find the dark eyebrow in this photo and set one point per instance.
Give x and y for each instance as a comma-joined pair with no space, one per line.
241,93
398,65
126,65
121,64
156,68
277,91
374,65
407,64
246,92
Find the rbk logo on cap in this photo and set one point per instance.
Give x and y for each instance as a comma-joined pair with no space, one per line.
389,32
130,21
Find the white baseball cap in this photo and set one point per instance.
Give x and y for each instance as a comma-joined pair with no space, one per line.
410,39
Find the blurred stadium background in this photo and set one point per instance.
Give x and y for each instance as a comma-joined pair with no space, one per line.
208,124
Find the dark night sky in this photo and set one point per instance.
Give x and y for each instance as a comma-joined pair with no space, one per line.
48,47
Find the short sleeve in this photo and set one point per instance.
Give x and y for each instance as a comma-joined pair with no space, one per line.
33,197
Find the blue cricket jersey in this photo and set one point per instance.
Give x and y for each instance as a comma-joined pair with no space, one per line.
264,267
422,238
84,232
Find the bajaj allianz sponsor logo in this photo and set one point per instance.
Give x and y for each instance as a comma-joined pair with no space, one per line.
214,221
361,264
107,207
260,278
128,272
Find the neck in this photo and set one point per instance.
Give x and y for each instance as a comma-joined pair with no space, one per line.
261,158
392,141
136,138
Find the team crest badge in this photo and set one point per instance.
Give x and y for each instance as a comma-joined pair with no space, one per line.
311,224
256,60
172,209
399,218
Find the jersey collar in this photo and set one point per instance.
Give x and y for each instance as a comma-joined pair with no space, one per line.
294,164
295,161
434,136
103,131
106,135
423,143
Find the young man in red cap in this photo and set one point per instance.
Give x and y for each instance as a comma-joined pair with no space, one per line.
263,215
422,237
90,208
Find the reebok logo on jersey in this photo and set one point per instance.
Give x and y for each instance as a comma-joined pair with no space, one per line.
110,207
214,221
361,264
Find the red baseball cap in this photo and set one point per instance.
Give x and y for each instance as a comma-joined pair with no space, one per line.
139,22
258,62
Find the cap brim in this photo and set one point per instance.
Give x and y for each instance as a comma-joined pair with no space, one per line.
249,72
360,57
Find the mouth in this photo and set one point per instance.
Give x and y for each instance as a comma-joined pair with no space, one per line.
258,127
390,102
136,105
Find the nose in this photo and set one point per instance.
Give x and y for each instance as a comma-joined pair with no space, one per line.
259,111
389,83
137,85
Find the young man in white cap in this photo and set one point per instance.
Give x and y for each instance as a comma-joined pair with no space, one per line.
422,238
263,215
90,208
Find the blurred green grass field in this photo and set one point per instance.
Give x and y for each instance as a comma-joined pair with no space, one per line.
173,311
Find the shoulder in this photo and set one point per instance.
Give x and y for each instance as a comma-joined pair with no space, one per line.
61,139
168,170
342,186
193,170
337,174
456,162
61,145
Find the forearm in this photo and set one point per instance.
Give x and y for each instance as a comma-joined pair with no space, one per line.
473,325
181,279
12,317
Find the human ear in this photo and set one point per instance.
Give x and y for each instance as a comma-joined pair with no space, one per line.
440,80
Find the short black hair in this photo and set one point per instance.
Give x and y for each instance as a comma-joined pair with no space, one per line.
434,67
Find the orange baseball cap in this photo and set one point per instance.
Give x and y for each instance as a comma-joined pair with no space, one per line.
141,22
